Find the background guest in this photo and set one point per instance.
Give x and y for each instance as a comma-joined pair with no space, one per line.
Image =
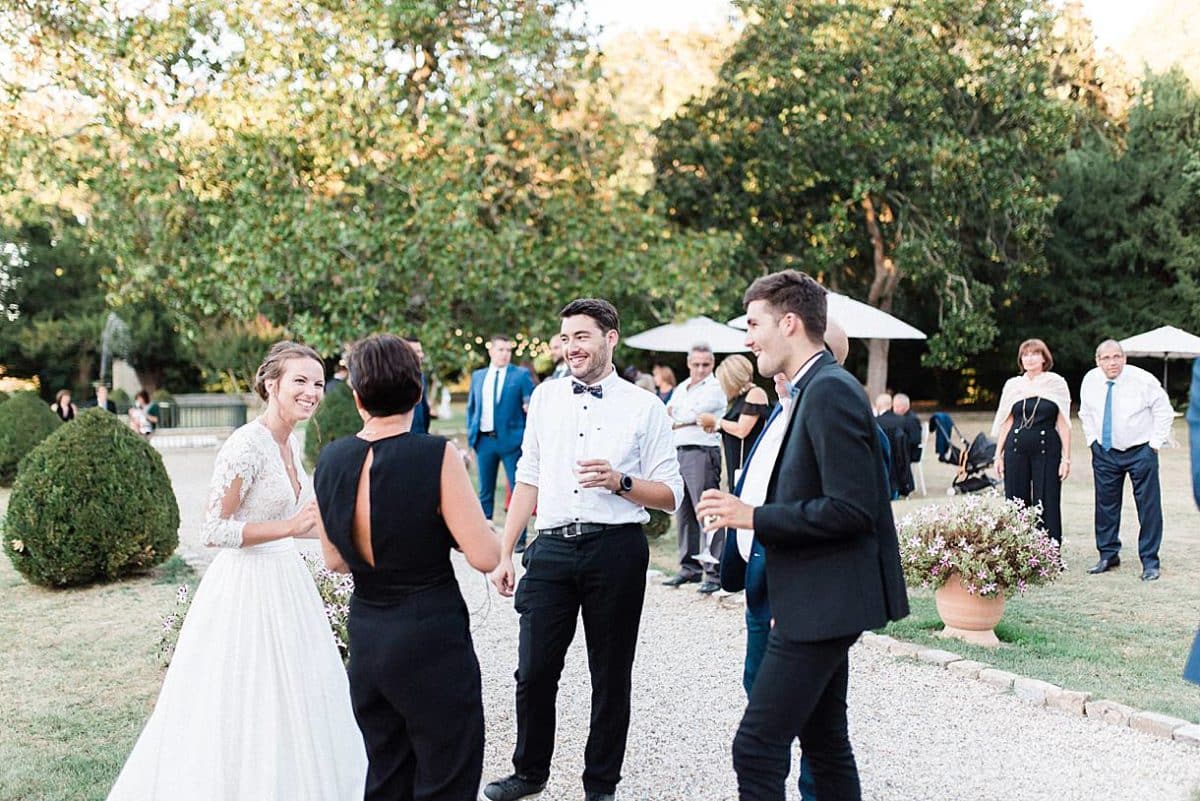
63,406
699,454
102,401
748,410
1126,418
903,431
496,406
664,381
1033,427
421,412
883,404
144,414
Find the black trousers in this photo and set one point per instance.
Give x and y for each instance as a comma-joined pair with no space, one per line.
1110,467
800,691
1031,460
415,687
604,575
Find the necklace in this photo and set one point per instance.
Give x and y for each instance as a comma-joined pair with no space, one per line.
1027,417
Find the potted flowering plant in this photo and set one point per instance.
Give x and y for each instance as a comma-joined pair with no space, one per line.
974,553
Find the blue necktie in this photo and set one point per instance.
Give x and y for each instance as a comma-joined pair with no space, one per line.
496,390
1106,425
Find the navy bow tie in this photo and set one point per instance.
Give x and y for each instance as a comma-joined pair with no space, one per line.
596,391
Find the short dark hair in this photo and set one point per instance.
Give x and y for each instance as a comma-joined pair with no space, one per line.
599,309
795,292
142,395
385,373
500,338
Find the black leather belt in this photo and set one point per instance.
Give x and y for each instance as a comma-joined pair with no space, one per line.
572,530
487,434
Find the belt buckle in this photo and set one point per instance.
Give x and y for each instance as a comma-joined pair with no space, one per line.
576,526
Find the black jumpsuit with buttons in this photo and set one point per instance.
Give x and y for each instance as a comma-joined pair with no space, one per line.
1032,453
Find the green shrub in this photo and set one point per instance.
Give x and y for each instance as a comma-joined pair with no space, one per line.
3,396
25,420
120,397
659,524
92,502
336,417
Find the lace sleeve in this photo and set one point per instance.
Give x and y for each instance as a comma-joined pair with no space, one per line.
236,467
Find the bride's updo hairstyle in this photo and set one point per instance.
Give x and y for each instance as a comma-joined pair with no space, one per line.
277,357
386,374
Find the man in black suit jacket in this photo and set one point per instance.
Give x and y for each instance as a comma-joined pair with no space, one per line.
832,559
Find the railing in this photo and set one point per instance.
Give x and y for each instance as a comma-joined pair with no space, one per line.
203,411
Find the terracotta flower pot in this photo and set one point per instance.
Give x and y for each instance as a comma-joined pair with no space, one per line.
968,617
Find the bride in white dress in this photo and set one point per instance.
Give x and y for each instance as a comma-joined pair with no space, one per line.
255,705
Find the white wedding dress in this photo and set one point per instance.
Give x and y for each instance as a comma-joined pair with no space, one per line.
255,705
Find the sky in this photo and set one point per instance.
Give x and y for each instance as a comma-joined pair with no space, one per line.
1111,18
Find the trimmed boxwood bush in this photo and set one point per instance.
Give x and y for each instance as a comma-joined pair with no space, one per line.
93,502
659,524
336,417
25,420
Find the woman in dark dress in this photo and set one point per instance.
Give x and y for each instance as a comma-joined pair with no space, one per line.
1033,428
393,504
748,410
63,407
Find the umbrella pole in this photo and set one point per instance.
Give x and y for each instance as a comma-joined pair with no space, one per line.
1165,362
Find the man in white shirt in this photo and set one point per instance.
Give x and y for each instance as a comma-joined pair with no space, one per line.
1126,417
700,464
597,452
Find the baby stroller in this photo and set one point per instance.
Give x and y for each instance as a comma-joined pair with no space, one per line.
973,457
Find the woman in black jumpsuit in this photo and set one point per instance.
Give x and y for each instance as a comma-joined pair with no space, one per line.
1035,435
393,504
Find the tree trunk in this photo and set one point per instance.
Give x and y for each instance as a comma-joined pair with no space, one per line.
883,289
877,367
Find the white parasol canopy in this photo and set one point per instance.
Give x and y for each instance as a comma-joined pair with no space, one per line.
1167,342
680,337
860,320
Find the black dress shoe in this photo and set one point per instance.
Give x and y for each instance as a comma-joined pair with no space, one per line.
708,586
519,548
511,788
1150,574
680,580
1105,565
599,796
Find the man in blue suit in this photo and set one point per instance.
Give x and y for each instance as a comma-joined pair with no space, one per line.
496,408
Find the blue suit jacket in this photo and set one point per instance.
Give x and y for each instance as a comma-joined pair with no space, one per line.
509,414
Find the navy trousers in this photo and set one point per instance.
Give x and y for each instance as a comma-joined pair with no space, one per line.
1110,468
489,455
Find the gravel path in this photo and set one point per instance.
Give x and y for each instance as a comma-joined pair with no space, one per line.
920,734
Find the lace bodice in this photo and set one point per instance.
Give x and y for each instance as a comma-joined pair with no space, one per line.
266,493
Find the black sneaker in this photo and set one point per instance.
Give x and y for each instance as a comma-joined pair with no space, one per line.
510,788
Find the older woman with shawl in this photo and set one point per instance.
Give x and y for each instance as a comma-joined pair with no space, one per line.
1033,427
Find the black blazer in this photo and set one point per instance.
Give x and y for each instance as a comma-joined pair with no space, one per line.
833,562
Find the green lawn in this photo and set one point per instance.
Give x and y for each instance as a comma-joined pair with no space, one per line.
1111,635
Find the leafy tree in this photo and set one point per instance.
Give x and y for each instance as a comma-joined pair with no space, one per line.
344,168
1125,252
896,151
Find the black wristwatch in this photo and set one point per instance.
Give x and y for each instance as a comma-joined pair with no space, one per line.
626,485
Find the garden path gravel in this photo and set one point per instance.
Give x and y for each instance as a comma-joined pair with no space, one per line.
919,733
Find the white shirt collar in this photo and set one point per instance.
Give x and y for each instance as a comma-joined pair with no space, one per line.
808,365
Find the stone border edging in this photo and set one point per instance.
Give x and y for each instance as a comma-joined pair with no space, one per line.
1041,693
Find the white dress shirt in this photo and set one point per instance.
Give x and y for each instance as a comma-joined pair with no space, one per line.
762,465
491,396
628,427
688,402
1141,410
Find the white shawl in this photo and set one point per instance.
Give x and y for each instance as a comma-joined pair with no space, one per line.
1051,386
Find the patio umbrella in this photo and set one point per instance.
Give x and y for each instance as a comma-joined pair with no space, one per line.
860,320
680,337
1167,342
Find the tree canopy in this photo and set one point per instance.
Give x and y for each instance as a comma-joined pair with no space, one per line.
891,149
